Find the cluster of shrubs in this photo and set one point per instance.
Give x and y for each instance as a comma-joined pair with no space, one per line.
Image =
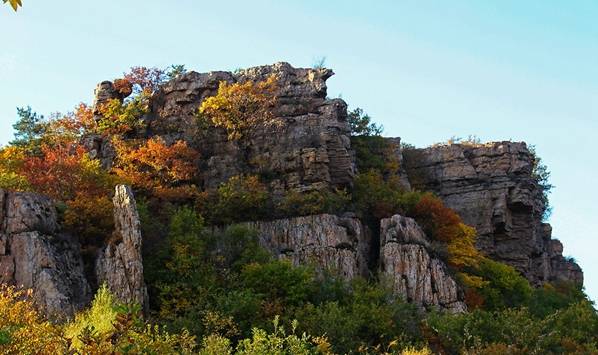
217,292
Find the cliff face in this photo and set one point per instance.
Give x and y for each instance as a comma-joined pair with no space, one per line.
492,188
35,255
416,275
339,244
309,150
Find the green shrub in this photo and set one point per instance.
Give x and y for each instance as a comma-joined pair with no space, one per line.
280,281
367,316
235,247
361,124
503,287
569,330
375,153
551,297
279,342
240,199
296,203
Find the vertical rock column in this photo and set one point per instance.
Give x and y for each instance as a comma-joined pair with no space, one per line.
120,264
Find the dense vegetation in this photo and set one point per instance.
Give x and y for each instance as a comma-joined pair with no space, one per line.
214,290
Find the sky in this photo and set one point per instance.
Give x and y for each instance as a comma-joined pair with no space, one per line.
426,70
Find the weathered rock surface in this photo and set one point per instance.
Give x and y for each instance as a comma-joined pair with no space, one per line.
492,188
416,274
120,264
326,241
309,150
35,255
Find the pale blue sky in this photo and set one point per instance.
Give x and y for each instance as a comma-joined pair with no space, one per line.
426,70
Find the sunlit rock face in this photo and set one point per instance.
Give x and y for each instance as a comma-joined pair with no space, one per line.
36,255
492,188
120,264
328,242
309,148
416,274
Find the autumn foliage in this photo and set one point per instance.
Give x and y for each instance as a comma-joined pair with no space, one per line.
158,168
62,170
240,107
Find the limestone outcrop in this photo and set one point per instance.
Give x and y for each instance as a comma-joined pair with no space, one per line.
120,264
492,187
416,275
325,241
35,255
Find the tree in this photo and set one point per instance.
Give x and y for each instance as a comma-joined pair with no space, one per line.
163,170
15,4
29,129
361,124
240,107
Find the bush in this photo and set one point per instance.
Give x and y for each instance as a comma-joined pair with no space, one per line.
110,327
121,118
504,287
22,329
376,198
278,282
278,342
570,330
162,170
551,297
367,317
375,153
313,202
236,247
90,218
241,107
242,198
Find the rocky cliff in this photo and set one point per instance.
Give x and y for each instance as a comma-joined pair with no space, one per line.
340,244
493,188
310,150
36,255
416,275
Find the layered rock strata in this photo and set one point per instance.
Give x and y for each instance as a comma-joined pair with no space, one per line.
416,274
35,255
493,188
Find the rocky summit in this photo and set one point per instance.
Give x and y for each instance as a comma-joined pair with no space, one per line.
491,186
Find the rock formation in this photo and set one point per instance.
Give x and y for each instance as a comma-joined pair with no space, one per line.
492,187
310,150
416,275
35,255
326,241
120,264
